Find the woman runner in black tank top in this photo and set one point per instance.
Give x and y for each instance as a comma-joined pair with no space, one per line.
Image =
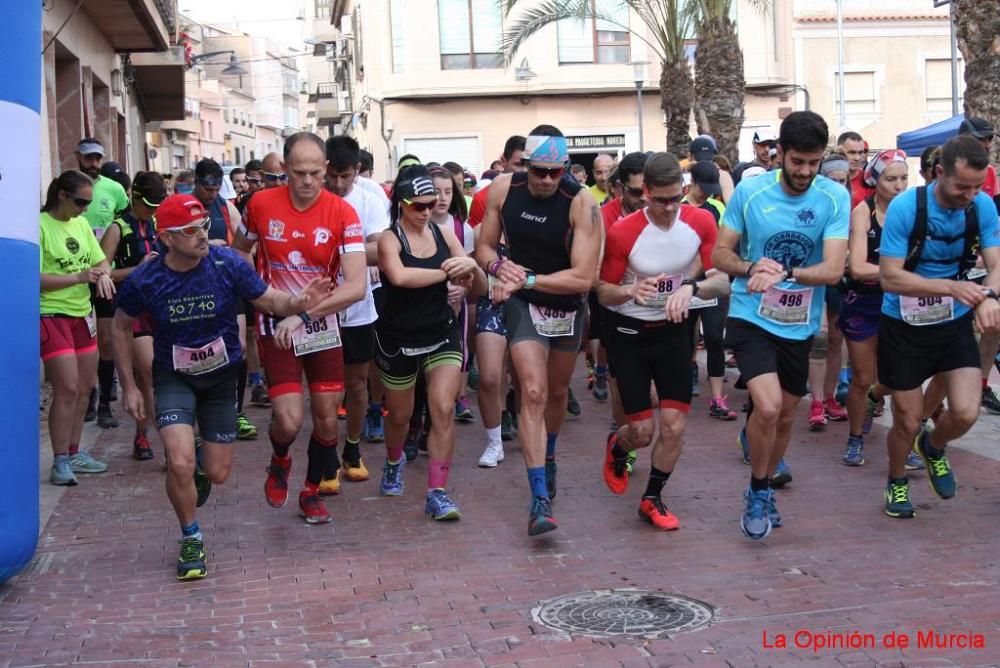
860,313
417,331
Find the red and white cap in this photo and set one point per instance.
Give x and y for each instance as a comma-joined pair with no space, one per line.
179,211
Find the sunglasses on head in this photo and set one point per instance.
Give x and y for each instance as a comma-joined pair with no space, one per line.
634,192
553,172
420,206
667,201
81,202
192,229
275,177
210,183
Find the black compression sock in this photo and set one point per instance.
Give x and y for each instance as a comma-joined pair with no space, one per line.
657,479
105,377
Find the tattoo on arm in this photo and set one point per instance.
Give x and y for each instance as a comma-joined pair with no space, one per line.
595,216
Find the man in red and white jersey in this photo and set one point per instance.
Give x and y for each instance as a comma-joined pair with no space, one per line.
646,285
304,232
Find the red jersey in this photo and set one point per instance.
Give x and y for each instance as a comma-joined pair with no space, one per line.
477,211
860,190
294,247
612,213
991,186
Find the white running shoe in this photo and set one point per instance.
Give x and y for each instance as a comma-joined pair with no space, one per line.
492,455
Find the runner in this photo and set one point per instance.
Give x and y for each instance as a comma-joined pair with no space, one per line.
981,129
130,241
553,229
646,284
302,231
765,148
71,260
192,294
604,164
855,148
778,231
356,321
926,327
859,315
419,332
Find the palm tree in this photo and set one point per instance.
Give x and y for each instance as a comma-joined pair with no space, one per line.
666,25
977,23
719,83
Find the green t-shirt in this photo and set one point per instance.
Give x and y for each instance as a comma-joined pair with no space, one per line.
67,248
109,200
599,193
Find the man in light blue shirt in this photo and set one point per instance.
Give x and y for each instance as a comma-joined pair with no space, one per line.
784,237
929,309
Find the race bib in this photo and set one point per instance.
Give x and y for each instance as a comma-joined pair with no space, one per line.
786,307
920,311
316,335
664,289
196,361
702,303
413,352
91,324
552,321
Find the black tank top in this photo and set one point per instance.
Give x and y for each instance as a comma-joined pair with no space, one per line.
138,238
874,241
539,235
416,317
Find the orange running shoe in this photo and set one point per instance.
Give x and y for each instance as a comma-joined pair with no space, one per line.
615,470
653,511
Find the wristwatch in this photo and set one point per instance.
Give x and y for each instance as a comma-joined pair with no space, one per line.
991,293
788,272
529,281
694,286
305,317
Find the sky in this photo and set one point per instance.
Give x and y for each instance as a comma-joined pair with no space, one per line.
274,19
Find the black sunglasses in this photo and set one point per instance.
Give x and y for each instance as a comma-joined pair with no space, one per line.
420,206
666,201
81,202
552,172
634,192
210,183
275,177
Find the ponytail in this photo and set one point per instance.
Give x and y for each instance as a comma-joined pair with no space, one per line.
70,181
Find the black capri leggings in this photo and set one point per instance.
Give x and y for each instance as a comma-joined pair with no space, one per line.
713,324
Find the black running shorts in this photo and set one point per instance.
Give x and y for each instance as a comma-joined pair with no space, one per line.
908,355
759,352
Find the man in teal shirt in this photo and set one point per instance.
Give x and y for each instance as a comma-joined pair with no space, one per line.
110,199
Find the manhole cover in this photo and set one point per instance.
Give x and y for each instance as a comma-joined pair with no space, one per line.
623,612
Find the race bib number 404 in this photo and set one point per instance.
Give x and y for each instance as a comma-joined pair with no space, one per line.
552,321
196,361
920,311
786,307
316,335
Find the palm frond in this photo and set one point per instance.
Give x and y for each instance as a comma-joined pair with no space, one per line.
533,18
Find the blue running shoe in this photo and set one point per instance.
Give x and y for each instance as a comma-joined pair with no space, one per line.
756,523
854,454
897,500
541,520
939,474
392,478
914,462
440,507
550,477
744,445
782,474
772,511
374,426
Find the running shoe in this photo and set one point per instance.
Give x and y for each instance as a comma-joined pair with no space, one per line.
440,507
540,520
356,473
572,405
834,411
591,372
492,455
341,412
871,406
312,509
744,442
601,387
463,413
202,483
782,474
550,478
939,474
62,473
653,511
276,485
374,426
615,474
817,416
990,401
772,511
506,427
245,430
259,396
141,449
755,522
854,453
392,478
105,418
914,462
720,410
91,413
897,500
191,560
82,462
694,380
411,446
328,486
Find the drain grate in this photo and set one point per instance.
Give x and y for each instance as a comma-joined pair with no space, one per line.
623,612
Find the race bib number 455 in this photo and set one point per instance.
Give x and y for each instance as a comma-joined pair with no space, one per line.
552,321
786,307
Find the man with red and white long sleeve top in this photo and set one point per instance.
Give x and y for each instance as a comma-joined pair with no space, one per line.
645,285
304,232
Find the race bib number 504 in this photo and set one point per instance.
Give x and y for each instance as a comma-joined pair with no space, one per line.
920,311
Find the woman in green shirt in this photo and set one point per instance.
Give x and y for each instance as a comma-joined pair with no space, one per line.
71,260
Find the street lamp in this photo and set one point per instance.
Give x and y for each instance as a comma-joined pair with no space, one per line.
638,76
234,68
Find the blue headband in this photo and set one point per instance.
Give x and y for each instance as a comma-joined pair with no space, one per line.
551,150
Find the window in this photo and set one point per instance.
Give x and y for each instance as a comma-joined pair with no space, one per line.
470,32
859,92
603,41
397,21
323,8
937,85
